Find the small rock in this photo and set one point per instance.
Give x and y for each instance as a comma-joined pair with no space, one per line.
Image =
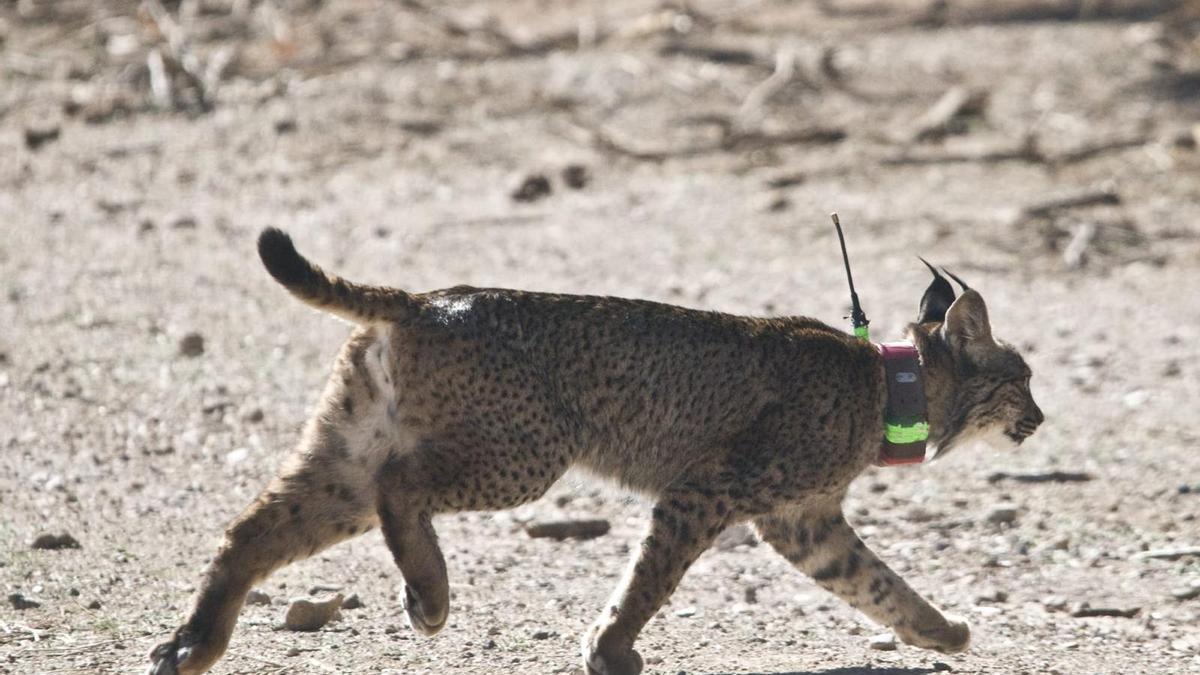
1055,603
1002,514
308,615
531,188
542,634
254,416
318,589
576,176
750,595
55,542
920,514
257,597
191,345
38,135
1187,592
776,204
95,604
183,221
236,456
884,642
20,602
992,596
568,529
352,601
285,124
940,667
685,612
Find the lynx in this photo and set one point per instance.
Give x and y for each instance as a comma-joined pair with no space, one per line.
480,399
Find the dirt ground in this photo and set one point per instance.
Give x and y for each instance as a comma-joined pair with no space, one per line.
388,138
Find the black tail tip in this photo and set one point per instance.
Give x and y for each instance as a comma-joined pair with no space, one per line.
281,259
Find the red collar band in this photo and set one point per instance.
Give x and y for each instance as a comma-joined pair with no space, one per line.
906,426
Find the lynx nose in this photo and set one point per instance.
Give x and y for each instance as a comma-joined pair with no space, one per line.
1036,415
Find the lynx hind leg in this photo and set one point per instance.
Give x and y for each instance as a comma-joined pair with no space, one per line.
300,513
825,547
456,472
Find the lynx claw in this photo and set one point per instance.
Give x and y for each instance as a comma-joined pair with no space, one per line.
417,616
165,657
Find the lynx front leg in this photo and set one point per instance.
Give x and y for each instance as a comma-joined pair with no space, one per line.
300,514
827,549
682,526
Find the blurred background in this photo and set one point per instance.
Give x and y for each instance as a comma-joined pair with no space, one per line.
152,377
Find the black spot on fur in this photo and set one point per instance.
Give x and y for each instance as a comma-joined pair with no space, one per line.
348,405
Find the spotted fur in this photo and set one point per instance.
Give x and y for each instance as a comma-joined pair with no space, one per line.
480,399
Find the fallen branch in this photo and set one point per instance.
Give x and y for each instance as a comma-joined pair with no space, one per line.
1168,553
784,73
731,140
1081,200
1026,152
939,120
174,56
1084,611
568,529
715,53
506,44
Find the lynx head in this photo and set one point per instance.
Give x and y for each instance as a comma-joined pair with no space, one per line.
977,387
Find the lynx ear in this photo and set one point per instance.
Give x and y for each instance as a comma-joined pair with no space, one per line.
937,299
967,326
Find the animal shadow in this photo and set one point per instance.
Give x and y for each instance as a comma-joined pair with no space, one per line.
854,670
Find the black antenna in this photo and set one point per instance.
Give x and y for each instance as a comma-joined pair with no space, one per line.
857,318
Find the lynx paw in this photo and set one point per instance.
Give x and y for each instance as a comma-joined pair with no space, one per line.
629,663
609,660
178,656
950,636
423,620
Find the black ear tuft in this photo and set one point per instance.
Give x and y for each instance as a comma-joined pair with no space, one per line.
937,299
954,276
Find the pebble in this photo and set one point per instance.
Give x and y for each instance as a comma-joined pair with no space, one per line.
183,221
309,615
1002,514
257,597
95,604
55,542
941,667
576,176
685,612
191,345
531,188
542,634
994,595
37,136
352,601
253,415
884,642
20,602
